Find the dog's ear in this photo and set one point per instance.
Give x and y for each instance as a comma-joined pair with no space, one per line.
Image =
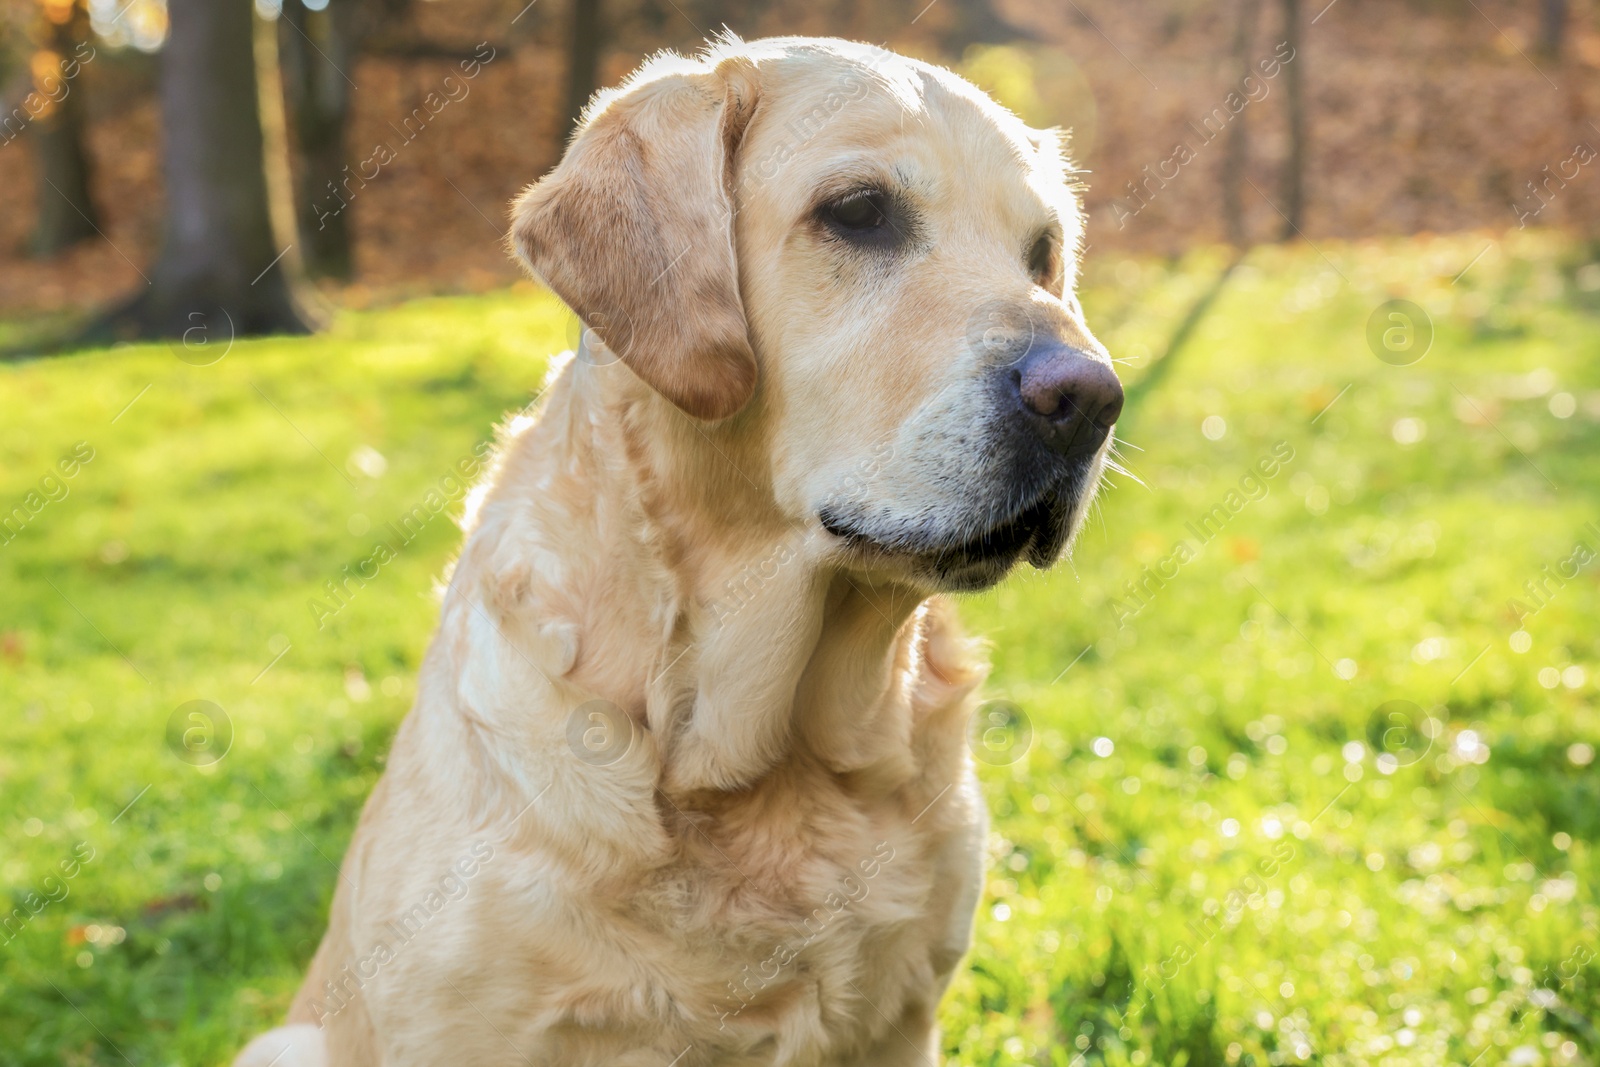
634,230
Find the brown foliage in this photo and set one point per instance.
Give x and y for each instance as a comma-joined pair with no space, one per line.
1423,117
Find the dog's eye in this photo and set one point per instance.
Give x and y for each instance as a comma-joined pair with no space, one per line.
1041,260
859,213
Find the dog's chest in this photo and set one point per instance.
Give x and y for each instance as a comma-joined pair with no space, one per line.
767,947
743,961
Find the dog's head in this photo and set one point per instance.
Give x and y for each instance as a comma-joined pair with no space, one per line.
864,264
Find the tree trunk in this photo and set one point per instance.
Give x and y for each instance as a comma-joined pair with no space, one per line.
1234,162
713,15
1294,170
583,55
316,48
218,271
1552,26
275,141
975,22
66,212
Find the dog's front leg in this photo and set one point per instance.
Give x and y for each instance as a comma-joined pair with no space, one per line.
913,1041
749,662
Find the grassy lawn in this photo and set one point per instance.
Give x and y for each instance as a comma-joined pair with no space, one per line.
1286,767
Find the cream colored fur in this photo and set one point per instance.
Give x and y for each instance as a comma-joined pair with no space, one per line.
686,782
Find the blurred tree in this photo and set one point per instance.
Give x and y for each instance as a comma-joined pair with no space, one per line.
585,41
218,271
714,15
1238,150
275,138
1294,88
316,48
1552,26
972,22
66,211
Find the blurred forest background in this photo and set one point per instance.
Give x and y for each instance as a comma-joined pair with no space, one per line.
347,151
335,163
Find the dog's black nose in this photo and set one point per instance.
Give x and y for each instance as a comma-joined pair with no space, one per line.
1070,398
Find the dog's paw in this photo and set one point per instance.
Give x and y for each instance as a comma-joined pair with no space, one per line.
694,768
697,762
953,663
296,1045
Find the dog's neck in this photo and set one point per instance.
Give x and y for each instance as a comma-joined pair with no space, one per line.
637,556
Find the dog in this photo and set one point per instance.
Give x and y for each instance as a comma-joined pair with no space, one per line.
686,782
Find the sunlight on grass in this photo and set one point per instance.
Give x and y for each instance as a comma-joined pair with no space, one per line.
1297,766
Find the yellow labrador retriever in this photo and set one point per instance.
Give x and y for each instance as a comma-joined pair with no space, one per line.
686,782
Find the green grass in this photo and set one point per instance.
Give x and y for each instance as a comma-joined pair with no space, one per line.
1212,844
